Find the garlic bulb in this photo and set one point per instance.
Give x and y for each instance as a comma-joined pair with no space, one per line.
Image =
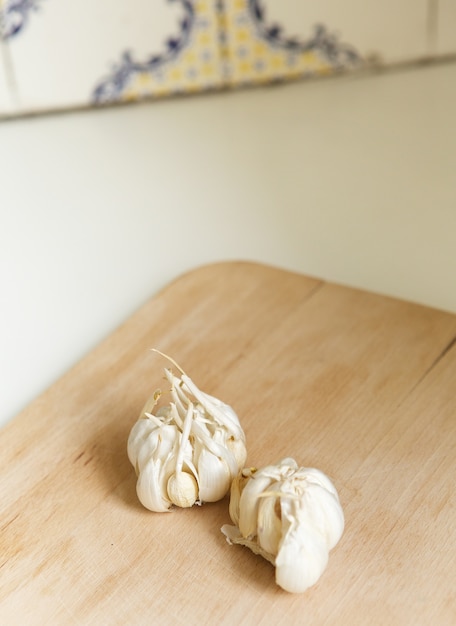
291,516
189,451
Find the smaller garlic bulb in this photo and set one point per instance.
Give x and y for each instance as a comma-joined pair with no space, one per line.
189,451
291,516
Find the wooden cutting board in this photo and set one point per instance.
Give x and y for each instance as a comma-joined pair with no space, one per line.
357,385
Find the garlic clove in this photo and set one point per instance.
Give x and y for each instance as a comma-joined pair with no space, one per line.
238,450
138,435
182,489
149,488
237,486
321,509
214,441
214,476
143,429
159,444
302,557
249,502
269,522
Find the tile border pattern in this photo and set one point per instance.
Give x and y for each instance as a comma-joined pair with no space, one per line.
221,22
112,87
14,16
259,51
218,43
338,54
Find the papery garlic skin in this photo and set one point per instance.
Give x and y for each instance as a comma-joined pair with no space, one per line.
291,516
189,451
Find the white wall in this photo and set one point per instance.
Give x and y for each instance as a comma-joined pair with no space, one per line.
349,179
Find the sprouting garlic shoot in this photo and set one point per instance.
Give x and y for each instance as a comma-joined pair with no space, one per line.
291,516
189,450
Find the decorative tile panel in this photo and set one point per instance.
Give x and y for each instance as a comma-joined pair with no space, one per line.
68,53
63,53
260,47
268,40
189,61
446,27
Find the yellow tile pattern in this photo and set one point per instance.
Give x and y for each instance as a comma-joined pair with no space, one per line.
216,43
257,54
195,66
226,43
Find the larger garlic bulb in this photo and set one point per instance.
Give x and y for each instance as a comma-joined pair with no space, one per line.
189,451
291,516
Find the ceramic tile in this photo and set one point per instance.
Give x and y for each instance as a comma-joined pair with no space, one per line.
185,56
446,27
269,40
68,53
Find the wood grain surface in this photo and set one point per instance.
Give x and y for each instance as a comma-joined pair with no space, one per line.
355,384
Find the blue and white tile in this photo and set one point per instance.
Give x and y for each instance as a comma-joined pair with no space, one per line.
271,41
389,31
189,61
268,40
68,53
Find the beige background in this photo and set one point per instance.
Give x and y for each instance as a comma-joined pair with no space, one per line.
348,179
